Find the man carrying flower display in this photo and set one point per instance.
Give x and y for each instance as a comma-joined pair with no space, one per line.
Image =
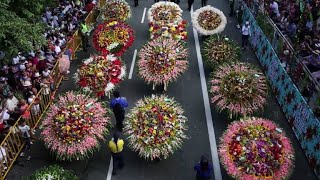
116,147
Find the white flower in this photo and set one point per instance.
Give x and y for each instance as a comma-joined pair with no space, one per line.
161,4
203,31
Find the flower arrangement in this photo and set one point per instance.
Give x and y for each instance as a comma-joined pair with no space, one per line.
52,172
209,20
155,127
116,10
255,149
219,49
239,88
113,37
74,125
176,30
162,61
100,74
165,11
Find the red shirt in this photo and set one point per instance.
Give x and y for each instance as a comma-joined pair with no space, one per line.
89,7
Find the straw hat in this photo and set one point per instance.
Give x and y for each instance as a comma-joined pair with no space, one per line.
27,83
42,58
37,74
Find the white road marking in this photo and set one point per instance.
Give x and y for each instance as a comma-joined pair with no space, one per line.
144,14
212,137
110,169
132,64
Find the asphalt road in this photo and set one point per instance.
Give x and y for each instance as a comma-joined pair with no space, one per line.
187,91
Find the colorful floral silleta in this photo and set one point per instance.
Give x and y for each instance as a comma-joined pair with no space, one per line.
165,11
239,88
209,20
176,30
100,74
219,49
74,125
116,10
113,37
256,149
162,61
155,127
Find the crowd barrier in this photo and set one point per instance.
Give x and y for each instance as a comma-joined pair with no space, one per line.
13,143
300,117
296,66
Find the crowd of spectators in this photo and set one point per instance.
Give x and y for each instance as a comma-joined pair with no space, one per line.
28,72
301,24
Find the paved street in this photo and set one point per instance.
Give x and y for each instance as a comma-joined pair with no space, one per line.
188,92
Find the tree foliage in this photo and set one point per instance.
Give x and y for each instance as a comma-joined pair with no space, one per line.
20,26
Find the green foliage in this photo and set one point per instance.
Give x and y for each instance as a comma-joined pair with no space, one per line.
265,26
53,172
30,10
20,29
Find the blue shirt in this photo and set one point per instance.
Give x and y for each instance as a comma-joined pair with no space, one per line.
203,174
119,100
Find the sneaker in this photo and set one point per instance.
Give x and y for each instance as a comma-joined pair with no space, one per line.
28,158
238,26
21,154
31,142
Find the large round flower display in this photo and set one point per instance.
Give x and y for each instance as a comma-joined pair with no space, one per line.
53,172
113,37
219,49
162,60
116,10
165,11
74,125
209,20
256,149
100,74
176,30
238,88
155,127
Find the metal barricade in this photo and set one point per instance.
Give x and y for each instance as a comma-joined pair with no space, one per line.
13,143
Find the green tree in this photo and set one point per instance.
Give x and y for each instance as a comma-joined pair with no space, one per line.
20,26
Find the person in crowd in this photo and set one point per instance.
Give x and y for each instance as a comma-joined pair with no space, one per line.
116,147
25,133
246,32
204,169
203,3
136,3
23,108
84,36
190,2
231,4
5,88
274,9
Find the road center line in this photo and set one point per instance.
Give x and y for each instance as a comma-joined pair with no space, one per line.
110,169
212,137
132,64
144,14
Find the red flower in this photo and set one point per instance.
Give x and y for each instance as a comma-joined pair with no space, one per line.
117,62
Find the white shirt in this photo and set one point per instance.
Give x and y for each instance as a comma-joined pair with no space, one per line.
57,49
4,115
245,30
24,130
11,104
15,60
46,73
275,8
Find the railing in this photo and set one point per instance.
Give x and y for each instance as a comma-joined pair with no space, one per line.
301,118
13,143
295,65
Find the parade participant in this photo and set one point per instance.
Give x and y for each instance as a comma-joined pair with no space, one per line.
204,169
116,147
